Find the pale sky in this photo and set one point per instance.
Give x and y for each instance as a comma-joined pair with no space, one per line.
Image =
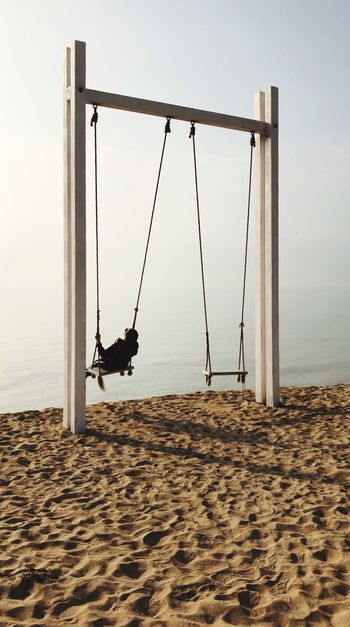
210,54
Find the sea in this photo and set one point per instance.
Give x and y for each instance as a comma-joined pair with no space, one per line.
314,348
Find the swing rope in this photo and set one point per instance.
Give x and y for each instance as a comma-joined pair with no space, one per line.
208,358
241,357
93,123
167,130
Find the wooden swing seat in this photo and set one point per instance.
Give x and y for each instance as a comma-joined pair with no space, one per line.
240,374
95,371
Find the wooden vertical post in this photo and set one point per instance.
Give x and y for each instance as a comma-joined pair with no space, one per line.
67,151
271,250
260,323
267,297
75,240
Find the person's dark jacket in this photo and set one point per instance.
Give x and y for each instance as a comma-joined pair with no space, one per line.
117,356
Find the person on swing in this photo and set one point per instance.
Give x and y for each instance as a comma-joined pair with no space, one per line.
118,355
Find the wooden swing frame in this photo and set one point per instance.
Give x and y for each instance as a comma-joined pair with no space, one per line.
76,96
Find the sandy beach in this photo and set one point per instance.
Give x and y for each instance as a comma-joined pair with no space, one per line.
177,511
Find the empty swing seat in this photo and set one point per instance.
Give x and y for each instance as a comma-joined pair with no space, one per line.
240,374
95,371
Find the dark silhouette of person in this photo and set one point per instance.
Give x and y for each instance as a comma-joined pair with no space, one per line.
118,355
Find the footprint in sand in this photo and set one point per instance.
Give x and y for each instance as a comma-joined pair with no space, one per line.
146,605
24,581
183,557
188,592
326,555
248,598
133,570
152,538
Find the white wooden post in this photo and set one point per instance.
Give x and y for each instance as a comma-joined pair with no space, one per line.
67,151
271,250
260,330
267,297
75,240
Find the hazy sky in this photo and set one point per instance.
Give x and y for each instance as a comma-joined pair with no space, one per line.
203,53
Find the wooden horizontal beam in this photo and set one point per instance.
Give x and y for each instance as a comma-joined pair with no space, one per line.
176,112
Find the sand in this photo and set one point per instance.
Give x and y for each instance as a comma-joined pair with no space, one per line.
201,509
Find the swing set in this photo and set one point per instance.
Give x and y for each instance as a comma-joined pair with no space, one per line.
264,129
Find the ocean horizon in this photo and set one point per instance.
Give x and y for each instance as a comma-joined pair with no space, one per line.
314,350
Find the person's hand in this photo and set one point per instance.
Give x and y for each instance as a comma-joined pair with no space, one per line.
98,338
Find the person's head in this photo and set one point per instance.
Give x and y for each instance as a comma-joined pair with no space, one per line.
131,335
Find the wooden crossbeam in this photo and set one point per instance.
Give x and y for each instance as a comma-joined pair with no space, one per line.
176,112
